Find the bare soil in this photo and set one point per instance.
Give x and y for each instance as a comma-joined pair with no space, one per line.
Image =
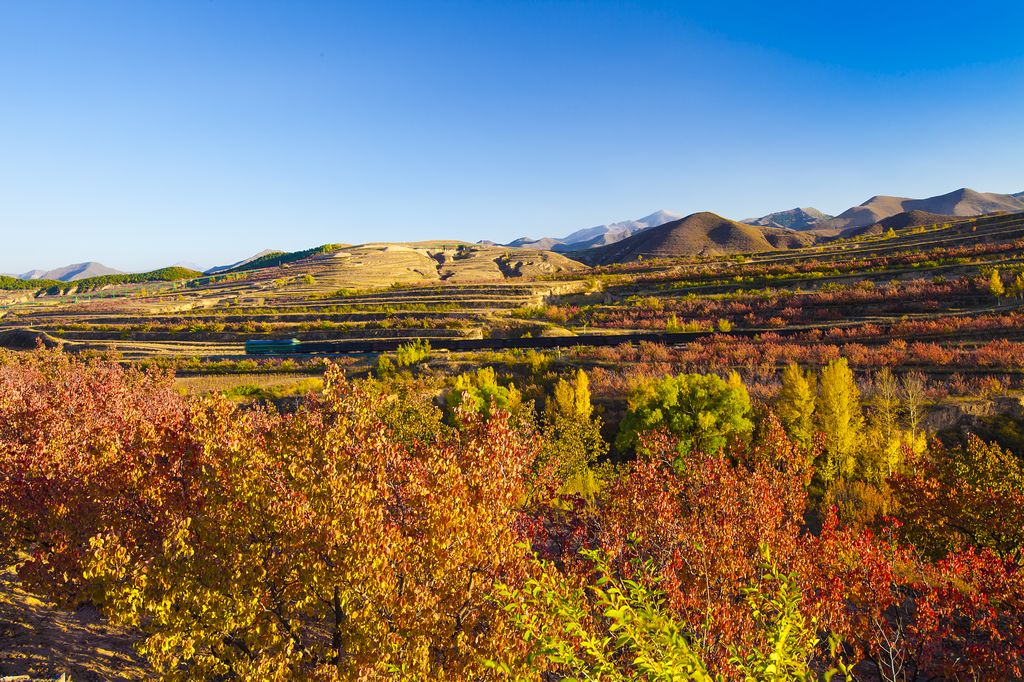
43,642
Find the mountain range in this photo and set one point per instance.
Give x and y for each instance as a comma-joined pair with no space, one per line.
599,235
699,234
963,202
666,233
793,219
71,273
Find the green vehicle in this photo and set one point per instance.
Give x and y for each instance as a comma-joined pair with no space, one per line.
271,346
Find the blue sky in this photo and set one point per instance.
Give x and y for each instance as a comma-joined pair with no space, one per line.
141,134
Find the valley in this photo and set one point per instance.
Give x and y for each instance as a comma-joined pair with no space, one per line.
911,296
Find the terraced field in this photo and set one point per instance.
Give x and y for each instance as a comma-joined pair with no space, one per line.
913,283
371,292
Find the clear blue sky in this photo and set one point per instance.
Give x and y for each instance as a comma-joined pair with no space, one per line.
143,133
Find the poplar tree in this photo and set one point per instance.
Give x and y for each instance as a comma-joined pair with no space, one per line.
572,434
838,415
795,404
887,440
995,284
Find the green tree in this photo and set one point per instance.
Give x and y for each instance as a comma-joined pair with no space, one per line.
795,404
838,415
480,392
702,410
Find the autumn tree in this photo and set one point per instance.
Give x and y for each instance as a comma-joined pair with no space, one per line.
705,526
1016,289
955,498
885,437
620,628
249,544
912,393
795,403
571,432
86,445
838,415
995,284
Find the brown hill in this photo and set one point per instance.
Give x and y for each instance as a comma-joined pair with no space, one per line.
961,202
700,234
376,265
899,221
789,238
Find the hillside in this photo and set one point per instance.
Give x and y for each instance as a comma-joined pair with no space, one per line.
900,220
787,238
699,234
96,283
542,244
385,264
961,202
244,261
794,219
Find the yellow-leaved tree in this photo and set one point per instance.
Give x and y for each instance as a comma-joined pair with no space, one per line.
795,404
572,440
839,417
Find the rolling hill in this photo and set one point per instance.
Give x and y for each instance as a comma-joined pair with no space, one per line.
699,234
961,202
900,220
245,261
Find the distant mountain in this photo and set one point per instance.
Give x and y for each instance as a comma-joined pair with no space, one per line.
598,235
794,219
71,273
962,202
542,244
700,234
221,268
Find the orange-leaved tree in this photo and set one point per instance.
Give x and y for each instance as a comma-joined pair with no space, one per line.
247,543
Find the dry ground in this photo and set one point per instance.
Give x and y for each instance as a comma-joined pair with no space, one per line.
43,642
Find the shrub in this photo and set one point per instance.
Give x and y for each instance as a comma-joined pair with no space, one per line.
409,354
479,392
